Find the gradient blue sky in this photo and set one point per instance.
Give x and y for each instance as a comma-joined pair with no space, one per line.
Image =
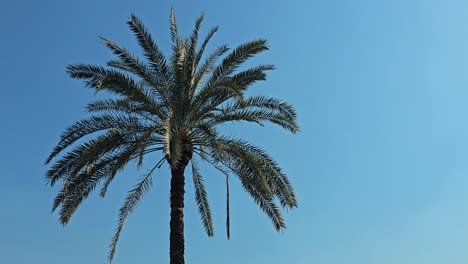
380,167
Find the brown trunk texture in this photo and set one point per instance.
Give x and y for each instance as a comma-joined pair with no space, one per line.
176,238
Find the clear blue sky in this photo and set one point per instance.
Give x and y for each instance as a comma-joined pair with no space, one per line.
380,167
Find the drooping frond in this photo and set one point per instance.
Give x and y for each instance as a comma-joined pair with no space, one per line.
92,125
259,175
81,180
202,200
77,188
129,154
118,163
228,210
264,200
276,180
85,154
131,201
260,187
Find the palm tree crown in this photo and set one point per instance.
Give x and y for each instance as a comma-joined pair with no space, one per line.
173,106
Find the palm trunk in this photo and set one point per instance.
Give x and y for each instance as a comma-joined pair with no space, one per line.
176,238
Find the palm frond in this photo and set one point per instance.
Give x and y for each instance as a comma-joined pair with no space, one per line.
211,96
120,160
257,116
91,151
204,44
193,41
119,65
151,50
173,27
221,86
132,63
208,65
77,187
263,102
137,67
258,109
250,76
228,210
259,175
118,164
153,113
276,179
83,155
92,125
113,81
238,56
71,198
131,201
202,200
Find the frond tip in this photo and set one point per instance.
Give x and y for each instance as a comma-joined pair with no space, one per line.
133,198
228,210
202,200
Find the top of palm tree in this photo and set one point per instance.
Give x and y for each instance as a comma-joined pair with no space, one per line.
171,105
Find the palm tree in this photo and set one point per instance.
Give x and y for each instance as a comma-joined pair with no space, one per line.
173,107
